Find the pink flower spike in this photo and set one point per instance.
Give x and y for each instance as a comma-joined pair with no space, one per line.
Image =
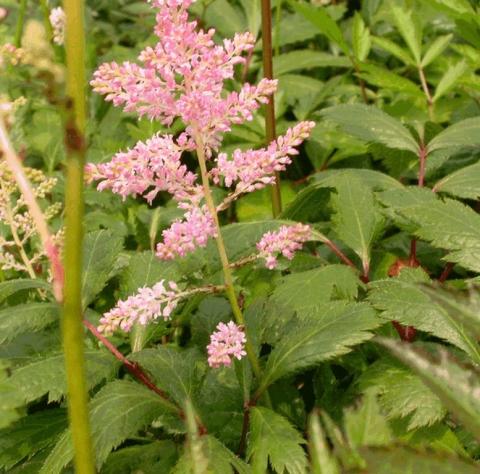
227,342
286,241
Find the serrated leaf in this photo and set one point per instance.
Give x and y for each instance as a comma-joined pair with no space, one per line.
356,219
177,372
401,299
365,425
463,134
274,441
408,27
119,410
294,28
449,225
321,459
402,460
101,249
449,79
394,49
46,375
331,331
374,179
11,399
402,394
10,287
457,387
361,40
30,435
371,125
306,59
438,46
22,318
463,183
385,79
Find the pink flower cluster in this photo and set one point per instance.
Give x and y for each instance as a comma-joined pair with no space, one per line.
255,169
286,241
57,20
227,342
145,306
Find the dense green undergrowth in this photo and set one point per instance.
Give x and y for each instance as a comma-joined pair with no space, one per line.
389,179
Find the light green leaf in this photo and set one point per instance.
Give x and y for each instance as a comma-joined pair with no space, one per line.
179,373
447,82
457,387
371,125
402,394
463,134
463,183
274,441
385,79
324,22
436,49
361,40
375,180
30,435
296,86
331,331
119,410
365,425
322,460
402,460
19,319
306,59
410,30
101,250
253,15
356,221
10,287
401,299
225,17
294,28
394,49
46,375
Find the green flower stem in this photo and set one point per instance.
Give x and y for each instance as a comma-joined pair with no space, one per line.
270,131
46,19
22,9
73,334
227,272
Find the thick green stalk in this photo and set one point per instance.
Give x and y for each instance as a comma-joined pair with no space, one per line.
73,335
227,272
270,131
22,8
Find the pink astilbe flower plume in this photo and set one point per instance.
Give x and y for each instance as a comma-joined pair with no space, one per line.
227,342
286,241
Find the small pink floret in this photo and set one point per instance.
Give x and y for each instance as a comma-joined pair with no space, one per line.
226,343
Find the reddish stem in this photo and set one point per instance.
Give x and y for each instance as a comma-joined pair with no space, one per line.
339,253
245,425
406,333
446,272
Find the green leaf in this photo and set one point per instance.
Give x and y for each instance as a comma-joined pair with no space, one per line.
332,330
402,460
322,460
294,28
371,125
274,441
46,375
19,319
438,46
306,59
10,287
394,49
361,40
452,226
225,17
375,180
101,250
297,86
401,299
457,388
253,15
30,435
408,27
11,399
365,425
119,410
356,221
177,372
449,79
402,394
385,79
324,22
463,134
463,183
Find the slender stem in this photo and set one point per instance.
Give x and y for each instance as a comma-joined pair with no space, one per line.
361,82
426,91
73,335
270,107
227,272
446,272
22,9
46,19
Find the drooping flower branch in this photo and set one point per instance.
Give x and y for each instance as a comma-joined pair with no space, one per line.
183,76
